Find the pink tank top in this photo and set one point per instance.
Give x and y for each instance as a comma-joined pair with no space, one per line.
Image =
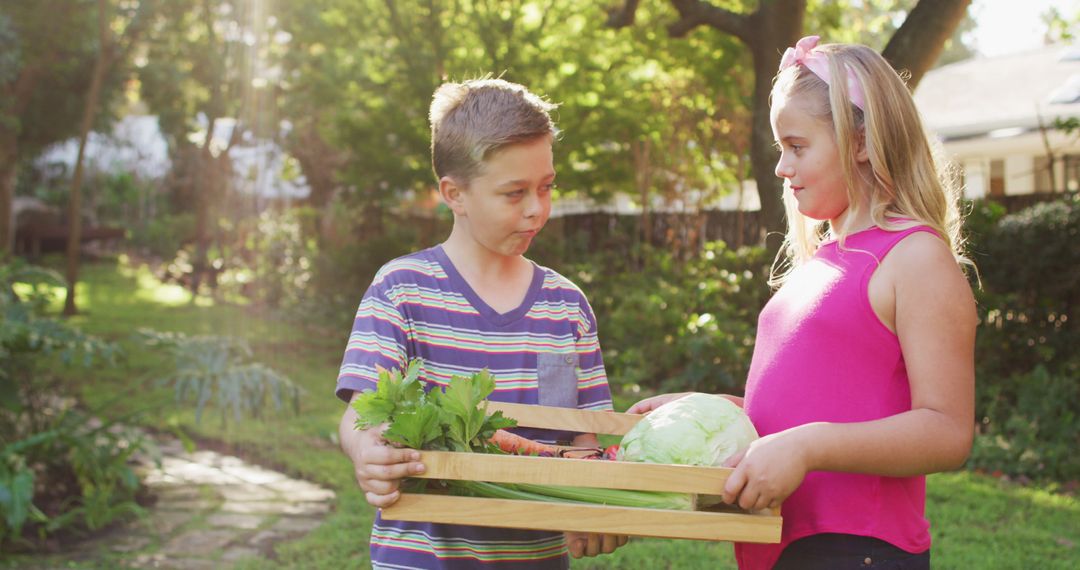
822,355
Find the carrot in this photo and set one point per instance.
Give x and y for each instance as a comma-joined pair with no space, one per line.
513,443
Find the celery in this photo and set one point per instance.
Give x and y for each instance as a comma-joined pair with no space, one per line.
584,495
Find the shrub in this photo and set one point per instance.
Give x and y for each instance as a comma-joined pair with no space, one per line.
674,325
1030,425
218,371
60,468
1026,368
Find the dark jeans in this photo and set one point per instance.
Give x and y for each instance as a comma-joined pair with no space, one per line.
848,552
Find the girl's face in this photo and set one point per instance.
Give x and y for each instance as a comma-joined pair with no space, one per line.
510,201
809,160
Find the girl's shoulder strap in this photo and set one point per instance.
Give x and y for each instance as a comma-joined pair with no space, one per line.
880,241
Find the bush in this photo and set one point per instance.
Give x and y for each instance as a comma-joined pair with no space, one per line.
341,274
1033,432
671,325
219,371
163,236
1026,368
60,468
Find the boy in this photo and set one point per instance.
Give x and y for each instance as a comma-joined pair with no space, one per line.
471,303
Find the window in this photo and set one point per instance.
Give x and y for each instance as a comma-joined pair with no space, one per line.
1071,180
997,177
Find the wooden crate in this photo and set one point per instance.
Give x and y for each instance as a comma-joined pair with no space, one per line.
722,523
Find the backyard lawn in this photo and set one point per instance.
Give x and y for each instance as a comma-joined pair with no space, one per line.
978,521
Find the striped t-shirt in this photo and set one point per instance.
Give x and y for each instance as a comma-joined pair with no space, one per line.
543,352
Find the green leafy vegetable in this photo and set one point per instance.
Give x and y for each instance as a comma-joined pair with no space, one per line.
699,429
452,420
456,419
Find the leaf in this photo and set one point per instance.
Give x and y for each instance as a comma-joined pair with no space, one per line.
451,419
394,393
415,428
16,492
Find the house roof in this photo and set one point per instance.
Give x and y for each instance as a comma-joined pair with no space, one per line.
976,97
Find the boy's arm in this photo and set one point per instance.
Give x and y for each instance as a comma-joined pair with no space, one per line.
377,466
377,341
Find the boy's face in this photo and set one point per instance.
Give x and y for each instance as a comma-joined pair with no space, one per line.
508,203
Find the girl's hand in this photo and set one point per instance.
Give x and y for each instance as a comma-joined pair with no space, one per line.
767,472
649,404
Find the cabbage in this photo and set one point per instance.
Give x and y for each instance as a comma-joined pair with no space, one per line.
699,429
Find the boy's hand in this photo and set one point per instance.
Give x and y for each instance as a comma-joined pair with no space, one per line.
379,468
590,543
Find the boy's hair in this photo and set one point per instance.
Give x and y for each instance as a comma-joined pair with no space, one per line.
911,184
473,119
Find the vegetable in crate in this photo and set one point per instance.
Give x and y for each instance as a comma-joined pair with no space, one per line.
456,419
699,429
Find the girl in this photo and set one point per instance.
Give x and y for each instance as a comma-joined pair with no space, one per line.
862,379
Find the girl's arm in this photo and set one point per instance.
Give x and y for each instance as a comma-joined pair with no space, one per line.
933,313
649,404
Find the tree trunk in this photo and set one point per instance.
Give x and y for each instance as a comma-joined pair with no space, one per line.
9,160
101,65
775,26
204,183
919,41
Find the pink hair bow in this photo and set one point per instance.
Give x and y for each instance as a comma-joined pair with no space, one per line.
818,63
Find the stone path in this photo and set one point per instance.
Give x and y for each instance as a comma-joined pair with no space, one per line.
212,510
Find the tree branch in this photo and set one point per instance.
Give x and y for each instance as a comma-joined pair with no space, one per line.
919,41
623,17
694,13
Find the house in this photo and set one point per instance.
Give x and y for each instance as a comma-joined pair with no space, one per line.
138,146
995,117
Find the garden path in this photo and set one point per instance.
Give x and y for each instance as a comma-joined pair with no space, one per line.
212,510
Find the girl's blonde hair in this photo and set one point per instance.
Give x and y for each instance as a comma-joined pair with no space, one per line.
908,183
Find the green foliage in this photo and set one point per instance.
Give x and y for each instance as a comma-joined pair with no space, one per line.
1026,367
453,419
978,522
343,270
58,48
59,467
78,469
218,371
364,72
673,325
25,333
274,261
164,235
1033,432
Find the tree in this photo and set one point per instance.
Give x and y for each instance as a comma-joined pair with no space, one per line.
203,73
777,24
110,51
46,53
359,77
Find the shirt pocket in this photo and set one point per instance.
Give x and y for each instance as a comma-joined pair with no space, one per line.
556,379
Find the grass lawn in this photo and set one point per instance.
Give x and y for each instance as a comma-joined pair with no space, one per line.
978,522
